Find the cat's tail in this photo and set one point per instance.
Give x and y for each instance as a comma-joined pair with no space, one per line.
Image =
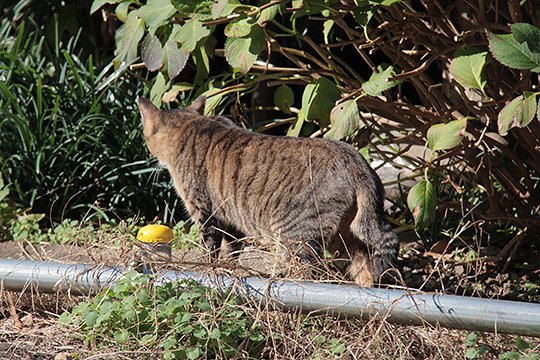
370,227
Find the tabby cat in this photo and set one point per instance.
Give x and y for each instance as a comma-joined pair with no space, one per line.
310,194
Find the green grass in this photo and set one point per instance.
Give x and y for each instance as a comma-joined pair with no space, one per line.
70,135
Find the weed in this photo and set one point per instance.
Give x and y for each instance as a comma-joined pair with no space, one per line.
186,235
26,226
5,213
476,350
183,320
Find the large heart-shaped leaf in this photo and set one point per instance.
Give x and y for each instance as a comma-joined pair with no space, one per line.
468,70
151,52
446,136
422,202
175,58
241,53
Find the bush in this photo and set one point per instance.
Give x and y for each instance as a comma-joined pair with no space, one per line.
411,73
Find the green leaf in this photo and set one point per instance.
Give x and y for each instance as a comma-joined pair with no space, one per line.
175,90
64,319
97,4
190,34
215,334
422,202
202,64
193,353
385,2
365,153
121,10
471,339
284,98
311,7
528,33
363,16
241,53
239,28
446,136
151,52
194,8
159,87
212,100
528,109
518,112
155,13
345,119
127,39
508,51
174,58
327,27
469,70
471,353
268,14
169,343
121,336
521,344
380,81
296,126
506,115
511,355
90,318
538,111
318,100
223,8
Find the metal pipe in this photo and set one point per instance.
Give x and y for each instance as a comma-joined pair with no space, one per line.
396,306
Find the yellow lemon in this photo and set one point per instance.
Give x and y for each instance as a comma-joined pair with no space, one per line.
155,233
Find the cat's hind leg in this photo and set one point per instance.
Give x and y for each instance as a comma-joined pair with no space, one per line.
381,243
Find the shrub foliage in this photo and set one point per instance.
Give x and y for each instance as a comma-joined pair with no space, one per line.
452,75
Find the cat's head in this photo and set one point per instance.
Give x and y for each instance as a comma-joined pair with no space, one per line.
160,126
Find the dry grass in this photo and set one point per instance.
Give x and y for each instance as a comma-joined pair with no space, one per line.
29,328
290,336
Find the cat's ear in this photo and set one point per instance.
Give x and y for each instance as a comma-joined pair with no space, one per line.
151,116
198,105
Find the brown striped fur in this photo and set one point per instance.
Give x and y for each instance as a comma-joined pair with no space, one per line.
309,193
